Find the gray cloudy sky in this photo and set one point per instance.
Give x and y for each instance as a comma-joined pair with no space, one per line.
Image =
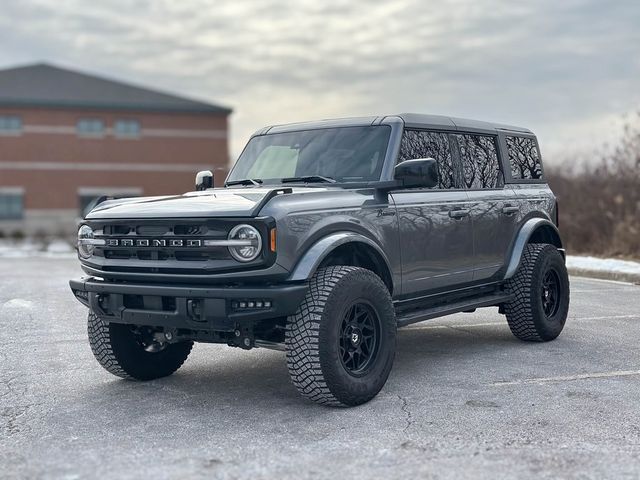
568,69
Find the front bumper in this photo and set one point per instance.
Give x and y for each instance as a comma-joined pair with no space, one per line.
216,308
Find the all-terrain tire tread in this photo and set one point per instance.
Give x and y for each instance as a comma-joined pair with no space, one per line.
519,311
101,346
302,336
100,343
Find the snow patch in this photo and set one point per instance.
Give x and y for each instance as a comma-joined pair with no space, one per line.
18,304
17,250
609,265
30,248
59,246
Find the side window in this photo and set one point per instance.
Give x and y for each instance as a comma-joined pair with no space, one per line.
126,128
480,164
10,124
421,144
11,203
90,127
524,158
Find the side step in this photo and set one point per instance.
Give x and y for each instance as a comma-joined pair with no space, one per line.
436,311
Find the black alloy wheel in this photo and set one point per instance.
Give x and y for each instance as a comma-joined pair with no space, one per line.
550,293
359,338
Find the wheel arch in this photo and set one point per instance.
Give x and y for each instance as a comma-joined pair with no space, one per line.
534,230
344,248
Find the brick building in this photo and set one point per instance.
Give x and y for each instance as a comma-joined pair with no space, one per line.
67,138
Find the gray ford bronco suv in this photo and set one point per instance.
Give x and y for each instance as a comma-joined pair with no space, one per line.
326,238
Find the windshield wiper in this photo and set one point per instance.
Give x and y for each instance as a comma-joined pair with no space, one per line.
309,179
244,181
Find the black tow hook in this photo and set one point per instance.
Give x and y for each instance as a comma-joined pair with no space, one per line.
194,309
244,339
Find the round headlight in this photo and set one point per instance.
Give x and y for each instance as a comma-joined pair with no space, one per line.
86,243
245,243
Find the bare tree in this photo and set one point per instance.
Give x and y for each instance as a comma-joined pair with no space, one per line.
600,203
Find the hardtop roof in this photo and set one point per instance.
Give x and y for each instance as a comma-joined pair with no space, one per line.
411,120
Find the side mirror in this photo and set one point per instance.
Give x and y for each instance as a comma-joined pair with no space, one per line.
204,180
419,172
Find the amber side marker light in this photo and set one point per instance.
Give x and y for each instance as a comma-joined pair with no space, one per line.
272,240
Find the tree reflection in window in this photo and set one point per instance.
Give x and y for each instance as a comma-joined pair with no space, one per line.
480,163
524,158
420,144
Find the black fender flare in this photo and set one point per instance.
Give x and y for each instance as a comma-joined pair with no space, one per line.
313,257
524,235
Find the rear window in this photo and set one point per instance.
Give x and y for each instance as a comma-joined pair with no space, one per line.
524,158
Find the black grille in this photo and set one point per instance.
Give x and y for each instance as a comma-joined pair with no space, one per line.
117,229
166,234
166,246
152,230
189,230
121,254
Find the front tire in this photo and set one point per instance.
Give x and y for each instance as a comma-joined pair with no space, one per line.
128,354
341,342
540,305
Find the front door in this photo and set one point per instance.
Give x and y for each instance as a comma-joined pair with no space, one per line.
436,238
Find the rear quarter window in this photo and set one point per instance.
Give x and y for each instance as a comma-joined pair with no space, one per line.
524,158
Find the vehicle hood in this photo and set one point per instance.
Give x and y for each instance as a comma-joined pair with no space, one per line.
217,202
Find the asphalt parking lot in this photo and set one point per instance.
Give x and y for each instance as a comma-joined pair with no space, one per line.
465,400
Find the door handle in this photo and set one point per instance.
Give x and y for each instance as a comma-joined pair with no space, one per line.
458,213
509,210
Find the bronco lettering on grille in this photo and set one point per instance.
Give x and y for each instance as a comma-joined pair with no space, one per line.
154,242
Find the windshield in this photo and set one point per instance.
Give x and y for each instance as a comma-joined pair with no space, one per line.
344,154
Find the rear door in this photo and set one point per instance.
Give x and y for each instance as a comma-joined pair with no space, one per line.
436,241
494,211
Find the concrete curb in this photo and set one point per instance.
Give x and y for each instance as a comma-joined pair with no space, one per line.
606,275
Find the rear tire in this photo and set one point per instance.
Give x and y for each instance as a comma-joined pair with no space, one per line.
341,342
122,352
539,308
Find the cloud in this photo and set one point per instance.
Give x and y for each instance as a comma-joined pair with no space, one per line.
563,69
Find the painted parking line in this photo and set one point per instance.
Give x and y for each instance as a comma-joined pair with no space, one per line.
601,280
568,378
606,317
605,290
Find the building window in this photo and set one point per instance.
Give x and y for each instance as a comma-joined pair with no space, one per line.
10,125
480,165
126,128
90,127
11,203
524,158
421,144
88,197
